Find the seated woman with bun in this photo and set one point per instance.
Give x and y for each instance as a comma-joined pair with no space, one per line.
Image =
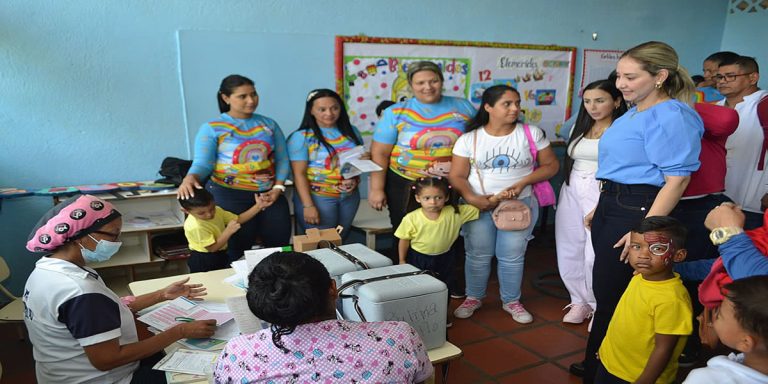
306,343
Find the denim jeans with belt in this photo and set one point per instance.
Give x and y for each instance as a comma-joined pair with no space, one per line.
482,240
620,208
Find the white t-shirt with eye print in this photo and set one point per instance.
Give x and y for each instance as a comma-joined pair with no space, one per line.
502,160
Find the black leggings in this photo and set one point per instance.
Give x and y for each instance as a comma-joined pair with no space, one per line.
272,226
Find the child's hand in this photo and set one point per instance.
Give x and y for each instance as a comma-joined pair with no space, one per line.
262,201
232,227
514,191
482,202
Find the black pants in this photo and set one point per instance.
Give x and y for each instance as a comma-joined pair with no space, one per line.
145,374
442,264
207,261
272,226
620,208
398,191
605,377
752,220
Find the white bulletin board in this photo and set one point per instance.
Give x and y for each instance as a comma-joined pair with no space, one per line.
370,70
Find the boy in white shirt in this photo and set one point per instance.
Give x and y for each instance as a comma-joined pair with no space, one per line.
741,323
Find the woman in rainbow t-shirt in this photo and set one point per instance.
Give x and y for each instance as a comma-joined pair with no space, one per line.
414,138
243,152
323,198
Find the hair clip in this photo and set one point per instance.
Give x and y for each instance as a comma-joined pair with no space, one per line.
413,187
311,95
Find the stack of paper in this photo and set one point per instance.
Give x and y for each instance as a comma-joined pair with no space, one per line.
180,310
188,361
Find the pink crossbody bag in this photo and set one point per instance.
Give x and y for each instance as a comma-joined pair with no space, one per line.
543,190
509,215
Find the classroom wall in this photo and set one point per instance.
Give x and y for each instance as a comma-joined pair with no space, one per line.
746,33
91,93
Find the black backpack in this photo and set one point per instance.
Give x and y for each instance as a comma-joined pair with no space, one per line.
173,170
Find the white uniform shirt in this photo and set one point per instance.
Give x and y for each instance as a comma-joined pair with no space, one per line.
743,182
67,308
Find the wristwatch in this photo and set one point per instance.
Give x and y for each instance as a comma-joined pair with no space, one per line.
723,234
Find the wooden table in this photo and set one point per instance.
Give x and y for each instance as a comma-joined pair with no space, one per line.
218,290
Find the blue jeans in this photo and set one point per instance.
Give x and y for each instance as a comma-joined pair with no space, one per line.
482,240
333,211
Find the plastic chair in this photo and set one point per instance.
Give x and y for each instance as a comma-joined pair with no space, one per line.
13,312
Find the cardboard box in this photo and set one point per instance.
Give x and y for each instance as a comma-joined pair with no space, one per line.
308,242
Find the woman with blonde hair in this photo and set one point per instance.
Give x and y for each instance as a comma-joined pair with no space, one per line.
644,163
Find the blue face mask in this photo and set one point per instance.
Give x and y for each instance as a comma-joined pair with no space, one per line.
104,250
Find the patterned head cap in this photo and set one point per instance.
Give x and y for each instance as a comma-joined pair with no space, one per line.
70,220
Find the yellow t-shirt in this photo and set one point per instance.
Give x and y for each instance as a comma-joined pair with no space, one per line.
645,309
202,233
434,237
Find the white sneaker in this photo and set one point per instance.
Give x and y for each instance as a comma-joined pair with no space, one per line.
577,313
468,307
518,312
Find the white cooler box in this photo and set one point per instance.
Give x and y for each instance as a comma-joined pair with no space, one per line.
358,257
399,292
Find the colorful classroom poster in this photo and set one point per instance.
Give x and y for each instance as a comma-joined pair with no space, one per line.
370,70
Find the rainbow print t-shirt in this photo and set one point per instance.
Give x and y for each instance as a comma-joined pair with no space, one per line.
423,135
246,154
323,170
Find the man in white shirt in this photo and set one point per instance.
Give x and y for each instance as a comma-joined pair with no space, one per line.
746,181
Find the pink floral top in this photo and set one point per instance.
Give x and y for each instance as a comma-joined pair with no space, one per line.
332,351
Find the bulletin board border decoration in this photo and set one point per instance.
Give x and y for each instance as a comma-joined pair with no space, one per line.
341,40
468,83
584,62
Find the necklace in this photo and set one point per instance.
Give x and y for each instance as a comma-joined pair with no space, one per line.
593,134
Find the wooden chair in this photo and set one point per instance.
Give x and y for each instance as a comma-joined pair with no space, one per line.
13,312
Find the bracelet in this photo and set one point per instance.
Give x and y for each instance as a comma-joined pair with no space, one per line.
308,206
280,187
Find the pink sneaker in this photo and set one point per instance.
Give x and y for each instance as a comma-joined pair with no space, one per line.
468,307
577,313
518,312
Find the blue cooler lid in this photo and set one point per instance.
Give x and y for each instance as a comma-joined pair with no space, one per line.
396,288
337,265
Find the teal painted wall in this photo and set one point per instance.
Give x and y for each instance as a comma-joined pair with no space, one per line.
90,89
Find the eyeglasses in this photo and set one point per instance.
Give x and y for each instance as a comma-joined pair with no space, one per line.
728,77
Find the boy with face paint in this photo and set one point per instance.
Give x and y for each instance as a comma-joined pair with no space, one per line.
651,323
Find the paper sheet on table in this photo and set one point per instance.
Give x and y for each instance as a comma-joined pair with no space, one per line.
164,317
255,256
244,318
187,361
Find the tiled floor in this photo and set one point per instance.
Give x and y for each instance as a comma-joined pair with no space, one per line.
496,349
499,350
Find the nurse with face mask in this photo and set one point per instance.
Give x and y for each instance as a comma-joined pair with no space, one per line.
81,331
